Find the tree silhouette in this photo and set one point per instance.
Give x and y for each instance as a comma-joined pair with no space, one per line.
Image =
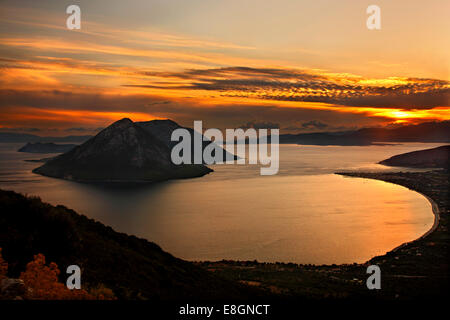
42,283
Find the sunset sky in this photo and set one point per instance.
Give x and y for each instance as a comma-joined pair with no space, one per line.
299,65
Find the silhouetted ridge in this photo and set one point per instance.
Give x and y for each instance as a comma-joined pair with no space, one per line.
429,158
424,132
133,268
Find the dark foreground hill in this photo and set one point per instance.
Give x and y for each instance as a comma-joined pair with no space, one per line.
124,152
133,268
429,158
14,137
49,147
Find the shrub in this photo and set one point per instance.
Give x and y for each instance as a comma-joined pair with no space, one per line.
42,282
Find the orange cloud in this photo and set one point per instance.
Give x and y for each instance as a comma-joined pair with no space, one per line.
65,118
86,76
53,45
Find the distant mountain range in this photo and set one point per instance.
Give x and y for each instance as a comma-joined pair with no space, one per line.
39,147
13,137
124,152
424,132
429,158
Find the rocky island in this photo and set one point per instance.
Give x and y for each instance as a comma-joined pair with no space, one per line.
39,147
124,152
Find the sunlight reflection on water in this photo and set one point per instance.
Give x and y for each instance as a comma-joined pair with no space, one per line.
305,214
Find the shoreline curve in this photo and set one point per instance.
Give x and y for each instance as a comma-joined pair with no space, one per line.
434,209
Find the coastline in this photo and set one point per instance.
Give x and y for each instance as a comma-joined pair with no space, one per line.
436,212
434,209
413,270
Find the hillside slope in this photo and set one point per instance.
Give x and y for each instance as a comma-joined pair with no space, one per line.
429,158
133,268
